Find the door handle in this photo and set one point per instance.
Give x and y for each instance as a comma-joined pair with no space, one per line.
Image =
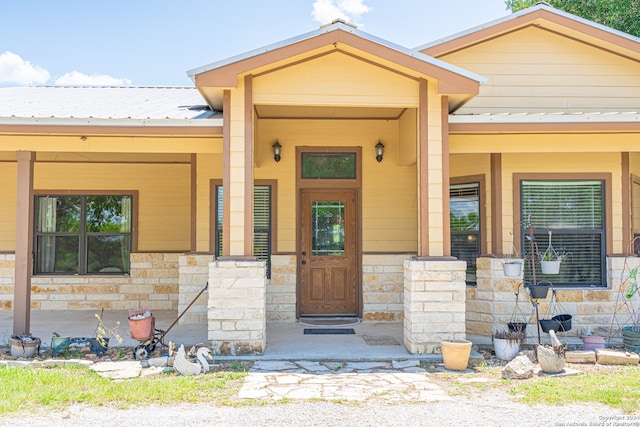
304,261
304,253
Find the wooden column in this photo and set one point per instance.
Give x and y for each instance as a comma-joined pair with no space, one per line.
24,244
226,173
446,206
627,227
248,165
496,205
423,171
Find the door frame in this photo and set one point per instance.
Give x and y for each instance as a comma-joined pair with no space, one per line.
331,184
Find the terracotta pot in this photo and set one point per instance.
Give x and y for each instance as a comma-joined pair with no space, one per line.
631,339
455,354
141,329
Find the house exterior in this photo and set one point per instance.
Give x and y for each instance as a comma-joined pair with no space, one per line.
335,174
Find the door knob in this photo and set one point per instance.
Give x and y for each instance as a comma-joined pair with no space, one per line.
304,261
304,253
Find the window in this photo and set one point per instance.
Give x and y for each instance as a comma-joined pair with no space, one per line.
261,223
464,203
328,165
635,213
574,212
82,234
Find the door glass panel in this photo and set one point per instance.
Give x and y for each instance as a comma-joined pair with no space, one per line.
327,234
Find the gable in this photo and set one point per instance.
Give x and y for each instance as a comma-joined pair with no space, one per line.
534,70
337,79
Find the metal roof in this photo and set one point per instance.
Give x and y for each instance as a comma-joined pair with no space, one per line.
117,105
334,26
560,117
512,16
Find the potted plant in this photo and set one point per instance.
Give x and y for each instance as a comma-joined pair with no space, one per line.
24,346
506,343
550,259
631,332
512,266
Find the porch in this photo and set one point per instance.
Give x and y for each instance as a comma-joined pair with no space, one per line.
285,340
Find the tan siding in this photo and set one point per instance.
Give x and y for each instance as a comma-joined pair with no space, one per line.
8,183
335,79
389,203
534,70
164,195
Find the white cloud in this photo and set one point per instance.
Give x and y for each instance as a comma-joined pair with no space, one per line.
14,69
76,78
325,11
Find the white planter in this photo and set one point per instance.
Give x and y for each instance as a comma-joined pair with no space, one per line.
512,268
505,349
550,267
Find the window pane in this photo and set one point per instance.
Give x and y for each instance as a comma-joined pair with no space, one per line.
108,253
327,220
328,165
574,212
108,214
57,254
58,214
464,202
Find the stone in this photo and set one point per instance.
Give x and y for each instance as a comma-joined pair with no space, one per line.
518,369
475,359
580,356
550,361
606,356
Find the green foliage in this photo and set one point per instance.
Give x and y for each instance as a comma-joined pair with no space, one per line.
622,15
619,390
56,388
470,221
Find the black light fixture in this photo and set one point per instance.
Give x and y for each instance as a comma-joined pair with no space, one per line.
379,151
277,148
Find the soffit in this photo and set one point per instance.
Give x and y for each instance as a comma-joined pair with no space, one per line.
322,112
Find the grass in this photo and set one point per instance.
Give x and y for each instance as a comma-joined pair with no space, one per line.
620,390
56,388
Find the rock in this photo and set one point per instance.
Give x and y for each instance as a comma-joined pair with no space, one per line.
476,359
550,361
518,369
606,356
580,356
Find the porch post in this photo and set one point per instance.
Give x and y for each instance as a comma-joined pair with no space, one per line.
24,244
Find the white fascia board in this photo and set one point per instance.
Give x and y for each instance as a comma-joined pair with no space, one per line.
547,118
57,121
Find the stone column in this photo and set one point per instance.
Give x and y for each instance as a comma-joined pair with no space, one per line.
434,303
193,273
237,307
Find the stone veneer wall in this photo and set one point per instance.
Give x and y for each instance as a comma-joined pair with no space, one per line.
492,304
237,307
281,289
383,287
193,274
434,309
152,284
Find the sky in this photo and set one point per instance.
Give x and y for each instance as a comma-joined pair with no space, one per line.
155,42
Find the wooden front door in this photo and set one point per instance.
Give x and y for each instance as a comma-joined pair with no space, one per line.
327,253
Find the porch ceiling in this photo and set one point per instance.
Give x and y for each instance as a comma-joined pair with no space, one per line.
327,112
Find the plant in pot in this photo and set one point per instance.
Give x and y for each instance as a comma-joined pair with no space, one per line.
512,265
592,342
631,332
550,259
506,343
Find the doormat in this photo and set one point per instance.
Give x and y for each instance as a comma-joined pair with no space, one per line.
329,321
329,331
380,340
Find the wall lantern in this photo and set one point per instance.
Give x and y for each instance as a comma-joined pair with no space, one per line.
277,148
379,151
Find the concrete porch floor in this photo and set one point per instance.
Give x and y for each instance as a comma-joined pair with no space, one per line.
285,340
